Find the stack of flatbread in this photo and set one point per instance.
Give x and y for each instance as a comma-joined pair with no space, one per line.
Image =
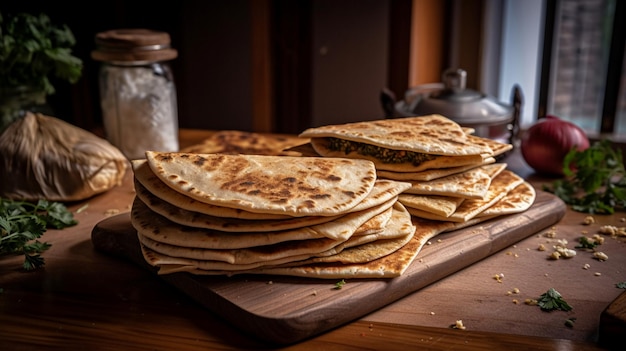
225,214
453,174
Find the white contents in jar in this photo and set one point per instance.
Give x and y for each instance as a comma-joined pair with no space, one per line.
139,109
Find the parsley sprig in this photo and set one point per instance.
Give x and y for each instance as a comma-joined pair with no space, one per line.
552,300
597,183
22,223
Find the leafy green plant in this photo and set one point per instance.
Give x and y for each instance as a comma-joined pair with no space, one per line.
597,185
22,223
33,50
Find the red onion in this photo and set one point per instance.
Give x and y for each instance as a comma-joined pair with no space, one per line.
545,144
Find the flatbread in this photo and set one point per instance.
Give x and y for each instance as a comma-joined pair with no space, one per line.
430,174
471,184
383,192
442,206
150,183
390,266
322,147
399,232
468,209
432,134
296,186
517,200
247,143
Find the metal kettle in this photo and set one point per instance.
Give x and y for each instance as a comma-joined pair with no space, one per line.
488,117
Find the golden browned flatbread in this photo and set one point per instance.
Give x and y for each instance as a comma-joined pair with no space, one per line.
517,200
247,143
468,209
171,257
296,186
389,266
432,134
323,148
442,206
150,183
430,174
471,184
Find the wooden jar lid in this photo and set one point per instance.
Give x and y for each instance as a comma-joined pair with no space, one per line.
128,45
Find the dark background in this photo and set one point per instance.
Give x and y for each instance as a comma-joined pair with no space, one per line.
214,68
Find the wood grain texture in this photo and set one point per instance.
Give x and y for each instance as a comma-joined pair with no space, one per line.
289,309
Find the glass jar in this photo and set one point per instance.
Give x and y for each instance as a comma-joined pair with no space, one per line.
137,90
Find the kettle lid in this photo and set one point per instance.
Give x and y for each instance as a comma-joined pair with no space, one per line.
465,106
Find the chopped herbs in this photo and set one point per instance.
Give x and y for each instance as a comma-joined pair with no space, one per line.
552,300
381,153
597,183
570,322
22,223
340,284
621,285
585,243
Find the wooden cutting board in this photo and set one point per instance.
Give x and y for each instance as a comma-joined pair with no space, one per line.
285,310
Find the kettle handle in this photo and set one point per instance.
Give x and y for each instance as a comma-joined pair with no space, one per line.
517,101
388,102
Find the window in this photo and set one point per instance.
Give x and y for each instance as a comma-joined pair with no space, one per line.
574,67
587,57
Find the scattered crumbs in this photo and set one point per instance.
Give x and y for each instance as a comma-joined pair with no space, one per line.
622,219
584,232
545,274
598,239
514,246
586,266
314,293
458,325
82,208
589,220
498,277
516,301
439,240
428,243
432,313
515,291
270,282
600,256
541,247
531,302
597,274
112,212
550,233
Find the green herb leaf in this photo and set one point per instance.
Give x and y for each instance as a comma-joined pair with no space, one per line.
621,285
585,243
22,223
597,185
33,50
552,300
340,284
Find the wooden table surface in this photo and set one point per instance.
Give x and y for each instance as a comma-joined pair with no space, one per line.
86,300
